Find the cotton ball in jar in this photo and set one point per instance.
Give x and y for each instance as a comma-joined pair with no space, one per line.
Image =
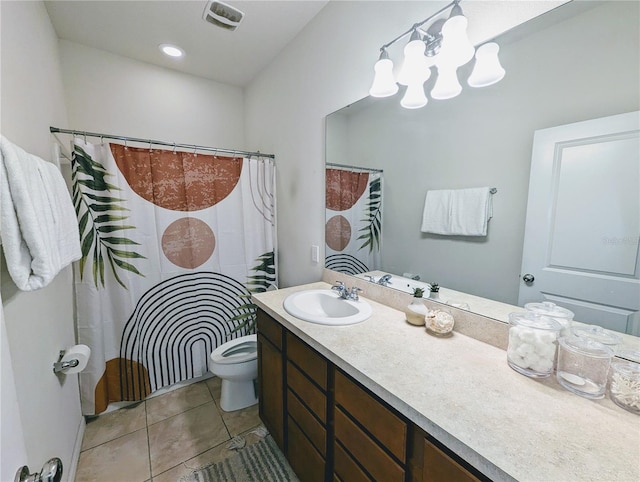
532,344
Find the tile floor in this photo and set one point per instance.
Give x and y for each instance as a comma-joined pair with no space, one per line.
164,437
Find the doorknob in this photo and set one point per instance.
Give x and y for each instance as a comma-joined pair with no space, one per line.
528,278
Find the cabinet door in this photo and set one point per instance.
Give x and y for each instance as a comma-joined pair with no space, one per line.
271,389
439,467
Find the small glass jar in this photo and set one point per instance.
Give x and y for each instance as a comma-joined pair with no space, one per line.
624,386
561,315
532,344
439,323
583,365
599,334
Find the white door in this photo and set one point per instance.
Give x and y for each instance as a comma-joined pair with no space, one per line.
583,221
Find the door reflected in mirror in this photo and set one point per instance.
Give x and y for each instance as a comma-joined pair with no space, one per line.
556,75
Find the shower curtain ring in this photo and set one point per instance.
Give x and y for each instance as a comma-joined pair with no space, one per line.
85,137
149,145
174,147
195,148
125,144
102,140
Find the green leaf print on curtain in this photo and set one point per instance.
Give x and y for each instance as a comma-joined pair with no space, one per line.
100,218
265,278
373,229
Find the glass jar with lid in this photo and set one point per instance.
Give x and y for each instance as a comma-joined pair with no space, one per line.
558,313
624,386
583,365
597,333
532,344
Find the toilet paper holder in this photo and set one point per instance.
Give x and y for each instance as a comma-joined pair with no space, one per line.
60,365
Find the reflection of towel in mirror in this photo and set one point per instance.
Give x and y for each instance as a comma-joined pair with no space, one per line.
460,212
38,224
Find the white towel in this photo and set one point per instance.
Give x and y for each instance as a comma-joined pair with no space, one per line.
459,212
38,224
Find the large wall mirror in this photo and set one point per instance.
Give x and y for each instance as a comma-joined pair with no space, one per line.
578,62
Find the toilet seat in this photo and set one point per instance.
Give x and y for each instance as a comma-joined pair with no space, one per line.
235,351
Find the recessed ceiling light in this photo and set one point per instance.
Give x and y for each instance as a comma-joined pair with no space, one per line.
171,50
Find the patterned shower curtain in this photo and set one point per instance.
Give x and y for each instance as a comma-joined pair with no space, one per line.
173,243
353,230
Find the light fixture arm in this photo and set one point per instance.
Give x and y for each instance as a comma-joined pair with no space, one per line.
417,26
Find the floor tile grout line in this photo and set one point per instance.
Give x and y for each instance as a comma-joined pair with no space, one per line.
113,439
146,424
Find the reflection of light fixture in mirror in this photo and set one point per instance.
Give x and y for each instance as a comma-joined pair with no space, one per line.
384,84
487,70
414,97
444,44
447,85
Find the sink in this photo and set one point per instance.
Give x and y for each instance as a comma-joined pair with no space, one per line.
326,308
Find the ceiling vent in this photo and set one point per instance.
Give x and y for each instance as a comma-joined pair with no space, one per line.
222,15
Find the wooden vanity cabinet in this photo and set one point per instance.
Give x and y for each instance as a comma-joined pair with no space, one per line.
307,410
271,376
368,432
432,463
331,428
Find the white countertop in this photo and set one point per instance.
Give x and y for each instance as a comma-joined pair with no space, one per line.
464,394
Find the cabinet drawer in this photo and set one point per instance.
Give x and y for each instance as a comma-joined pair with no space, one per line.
345,468
305,460
310,425
312,396
390,430
439,467
269,328
308,360
368,453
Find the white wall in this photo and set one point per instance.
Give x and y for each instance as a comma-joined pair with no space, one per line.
329,65
40,323
110,94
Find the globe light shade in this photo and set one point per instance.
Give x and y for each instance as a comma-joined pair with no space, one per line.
456,47
384,85
416,67
414,97
487,70
447,85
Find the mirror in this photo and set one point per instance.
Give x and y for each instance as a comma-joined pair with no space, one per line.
577,62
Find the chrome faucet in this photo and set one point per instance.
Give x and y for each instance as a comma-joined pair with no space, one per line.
345,293
384,280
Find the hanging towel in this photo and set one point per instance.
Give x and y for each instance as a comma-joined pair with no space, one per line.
37,220
459,212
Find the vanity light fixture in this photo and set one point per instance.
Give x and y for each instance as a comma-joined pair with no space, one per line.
443,45
171,50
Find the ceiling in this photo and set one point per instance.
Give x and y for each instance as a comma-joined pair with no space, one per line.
134,29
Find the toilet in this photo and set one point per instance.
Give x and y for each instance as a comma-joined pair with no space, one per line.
236,364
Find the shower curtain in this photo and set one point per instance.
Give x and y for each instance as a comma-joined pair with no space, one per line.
173,243
353,229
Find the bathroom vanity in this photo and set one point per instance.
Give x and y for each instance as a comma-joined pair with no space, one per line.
384,400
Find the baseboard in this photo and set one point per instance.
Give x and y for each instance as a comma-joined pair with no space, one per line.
70,472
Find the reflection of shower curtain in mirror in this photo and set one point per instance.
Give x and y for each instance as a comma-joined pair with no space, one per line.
353,230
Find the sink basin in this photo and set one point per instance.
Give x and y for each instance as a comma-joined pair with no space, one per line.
326,308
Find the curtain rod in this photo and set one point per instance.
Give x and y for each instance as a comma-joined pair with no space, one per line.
159,143
367,169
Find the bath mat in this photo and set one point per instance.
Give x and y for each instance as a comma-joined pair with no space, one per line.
260,462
